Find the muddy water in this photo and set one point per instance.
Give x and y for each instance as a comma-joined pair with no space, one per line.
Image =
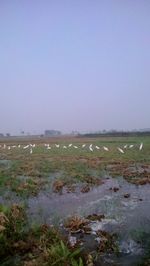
122,215
99,200
5,163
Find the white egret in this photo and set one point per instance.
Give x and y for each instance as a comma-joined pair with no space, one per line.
46,144
25,147
131,146
125,146
57,145
97,147
90,147
141,146
70,145
31,151
105,148
48,148
119,149
75,147
64,147
83,145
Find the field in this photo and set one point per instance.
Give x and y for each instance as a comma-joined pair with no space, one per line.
75,201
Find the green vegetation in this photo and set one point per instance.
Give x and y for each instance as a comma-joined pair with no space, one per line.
41,245
25,175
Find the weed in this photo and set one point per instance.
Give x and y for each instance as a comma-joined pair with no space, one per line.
40,245
76,224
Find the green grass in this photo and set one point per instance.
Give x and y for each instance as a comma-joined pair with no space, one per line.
26,174
76,165
40,245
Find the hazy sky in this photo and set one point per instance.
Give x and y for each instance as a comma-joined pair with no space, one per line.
74,65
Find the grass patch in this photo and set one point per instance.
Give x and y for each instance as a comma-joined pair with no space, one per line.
76,165
40,245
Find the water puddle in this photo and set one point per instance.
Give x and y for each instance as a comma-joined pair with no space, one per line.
101,199
5,163
125,206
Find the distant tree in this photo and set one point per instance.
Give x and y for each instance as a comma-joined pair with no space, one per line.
7,134
113,131
52,132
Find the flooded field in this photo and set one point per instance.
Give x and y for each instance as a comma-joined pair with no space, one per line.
94,205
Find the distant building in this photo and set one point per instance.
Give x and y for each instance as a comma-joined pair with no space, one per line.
51,133
75,133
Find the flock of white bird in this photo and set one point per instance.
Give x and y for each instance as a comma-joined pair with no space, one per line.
90,147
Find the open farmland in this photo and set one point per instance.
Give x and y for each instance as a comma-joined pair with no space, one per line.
75,201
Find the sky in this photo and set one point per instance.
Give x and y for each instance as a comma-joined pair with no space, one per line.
74,65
